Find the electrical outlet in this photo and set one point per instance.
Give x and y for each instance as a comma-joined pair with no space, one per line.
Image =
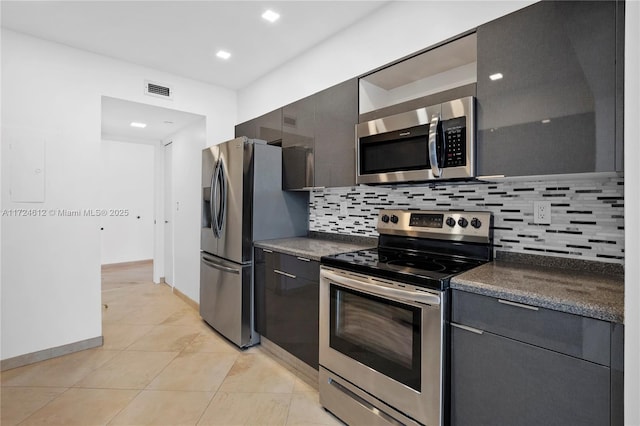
542,212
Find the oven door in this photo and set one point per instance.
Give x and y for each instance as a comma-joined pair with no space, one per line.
386,339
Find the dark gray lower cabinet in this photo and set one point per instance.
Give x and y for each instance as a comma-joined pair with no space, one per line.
515,364
500,381
286,303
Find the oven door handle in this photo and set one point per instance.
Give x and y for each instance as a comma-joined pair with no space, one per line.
382,291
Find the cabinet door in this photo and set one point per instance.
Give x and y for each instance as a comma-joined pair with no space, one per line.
554,109
336,118
248,129
267,127
259,284
287,299
298,136
500,381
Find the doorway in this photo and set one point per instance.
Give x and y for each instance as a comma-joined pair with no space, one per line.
168,214
159,132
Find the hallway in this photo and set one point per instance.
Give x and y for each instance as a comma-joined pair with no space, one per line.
160,365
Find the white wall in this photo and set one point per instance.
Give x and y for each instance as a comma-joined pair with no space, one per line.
187,144
390,33
364,47
127,194
51,265
632,213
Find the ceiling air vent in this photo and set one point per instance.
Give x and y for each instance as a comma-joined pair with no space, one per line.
159,90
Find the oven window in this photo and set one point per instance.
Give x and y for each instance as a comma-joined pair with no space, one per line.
380,333
395,155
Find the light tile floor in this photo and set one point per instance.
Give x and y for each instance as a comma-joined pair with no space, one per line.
160,365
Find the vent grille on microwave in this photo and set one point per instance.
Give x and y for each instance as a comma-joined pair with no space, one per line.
154,89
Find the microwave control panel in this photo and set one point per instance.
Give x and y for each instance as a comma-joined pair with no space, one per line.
455,142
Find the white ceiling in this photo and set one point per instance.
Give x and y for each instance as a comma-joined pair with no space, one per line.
182,37
117,115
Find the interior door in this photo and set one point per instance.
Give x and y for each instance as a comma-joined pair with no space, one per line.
168,214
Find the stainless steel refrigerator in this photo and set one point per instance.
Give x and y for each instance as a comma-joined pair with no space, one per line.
242,202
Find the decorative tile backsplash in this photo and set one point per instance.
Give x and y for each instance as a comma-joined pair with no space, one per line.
587,216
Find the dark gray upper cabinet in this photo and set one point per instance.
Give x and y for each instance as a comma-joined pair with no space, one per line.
267,127
298,142
336,118
556,108
318,138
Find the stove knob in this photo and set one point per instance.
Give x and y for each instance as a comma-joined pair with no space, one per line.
475,222
451,222
385,218
394,218
463,222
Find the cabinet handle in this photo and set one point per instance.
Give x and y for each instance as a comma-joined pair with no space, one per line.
304,259
467,328
491,177
285,274
267,250
518,305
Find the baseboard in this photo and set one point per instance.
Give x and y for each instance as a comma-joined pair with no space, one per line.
186,299
108,266
310,374
45,354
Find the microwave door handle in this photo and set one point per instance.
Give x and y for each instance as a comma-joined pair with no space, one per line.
433,142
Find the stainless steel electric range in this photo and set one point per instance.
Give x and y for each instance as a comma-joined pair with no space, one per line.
384,316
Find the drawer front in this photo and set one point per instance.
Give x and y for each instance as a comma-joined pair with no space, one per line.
299,267
574,335
500,381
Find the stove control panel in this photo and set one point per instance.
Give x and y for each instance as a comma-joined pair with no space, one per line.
438,224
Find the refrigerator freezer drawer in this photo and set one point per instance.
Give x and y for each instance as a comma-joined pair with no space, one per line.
225,298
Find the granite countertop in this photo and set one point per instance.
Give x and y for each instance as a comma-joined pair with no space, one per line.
314,247
589,294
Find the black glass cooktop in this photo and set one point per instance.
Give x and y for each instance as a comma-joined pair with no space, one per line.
416,268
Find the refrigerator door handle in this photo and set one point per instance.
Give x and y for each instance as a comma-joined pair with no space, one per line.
210,262
214,198
223,198
212,195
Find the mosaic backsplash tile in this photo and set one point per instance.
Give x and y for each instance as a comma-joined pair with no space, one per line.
587,216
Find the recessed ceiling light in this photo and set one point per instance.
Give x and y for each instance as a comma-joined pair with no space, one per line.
546,120
138,125
496,76
270,16
223,54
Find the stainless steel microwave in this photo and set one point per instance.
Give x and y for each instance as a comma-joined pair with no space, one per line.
430,143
